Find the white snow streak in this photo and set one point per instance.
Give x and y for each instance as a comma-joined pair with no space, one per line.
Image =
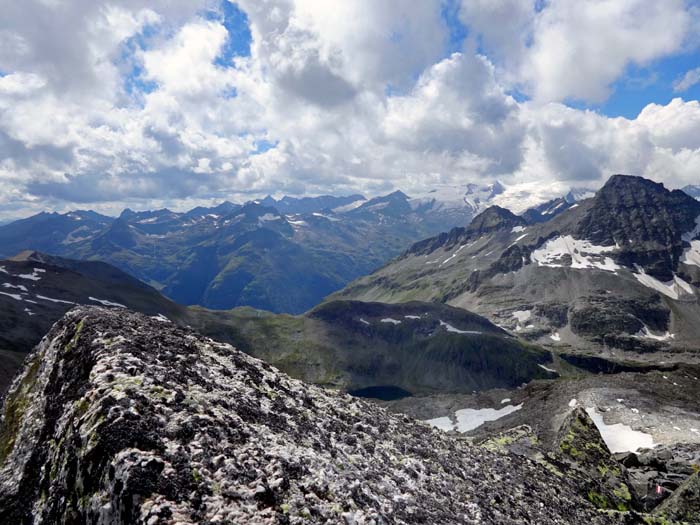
454,330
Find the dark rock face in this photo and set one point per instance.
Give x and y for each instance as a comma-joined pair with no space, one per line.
118,418
492,219
645,219
608,316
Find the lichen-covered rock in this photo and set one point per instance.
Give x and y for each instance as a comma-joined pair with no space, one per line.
582,446
118,418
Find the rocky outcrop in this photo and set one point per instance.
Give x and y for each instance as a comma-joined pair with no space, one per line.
655,474
119,418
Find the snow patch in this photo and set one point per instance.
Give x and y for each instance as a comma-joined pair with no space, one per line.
34,276
349,207
105,302
412,316
332,219
364,321
522,315
550,370
390,320
161,318
16,297
573,403
504,401
442,423
517,229
619,437
648,334
583,254
16,286
555,337
453,255
691,256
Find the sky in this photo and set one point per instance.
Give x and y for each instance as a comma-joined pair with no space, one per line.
108,104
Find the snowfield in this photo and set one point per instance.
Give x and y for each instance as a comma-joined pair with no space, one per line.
470,418
619,437
583,254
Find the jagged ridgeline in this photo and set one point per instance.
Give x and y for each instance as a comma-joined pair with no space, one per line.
119,418
620,270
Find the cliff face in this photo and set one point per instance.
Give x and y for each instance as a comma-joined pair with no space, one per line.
121,418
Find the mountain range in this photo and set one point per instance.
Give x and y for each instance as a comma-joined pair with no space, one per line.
620,270
279,255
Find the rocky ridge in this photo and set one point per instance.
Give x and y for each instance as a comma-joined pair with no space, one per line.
118,418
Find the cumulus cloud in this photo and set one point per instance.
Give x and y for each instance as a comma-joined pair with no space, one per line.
104,104
575,49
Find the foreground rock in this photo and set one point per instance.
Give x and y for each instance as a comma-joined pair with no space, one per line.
120,418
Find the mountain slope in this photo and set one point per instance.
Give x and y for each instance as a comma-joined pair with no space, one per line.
620,270
50,232
382,350
120,419
36,290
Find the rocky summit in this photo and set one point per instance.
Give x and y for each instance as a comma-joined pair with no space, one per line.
121,418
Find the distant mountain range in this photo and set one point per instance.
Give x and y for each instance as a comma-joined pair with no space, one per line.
281,255
619,270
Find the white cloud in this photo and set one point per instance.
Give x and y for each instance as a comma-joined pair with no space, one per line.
356,96
575,49
684,83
